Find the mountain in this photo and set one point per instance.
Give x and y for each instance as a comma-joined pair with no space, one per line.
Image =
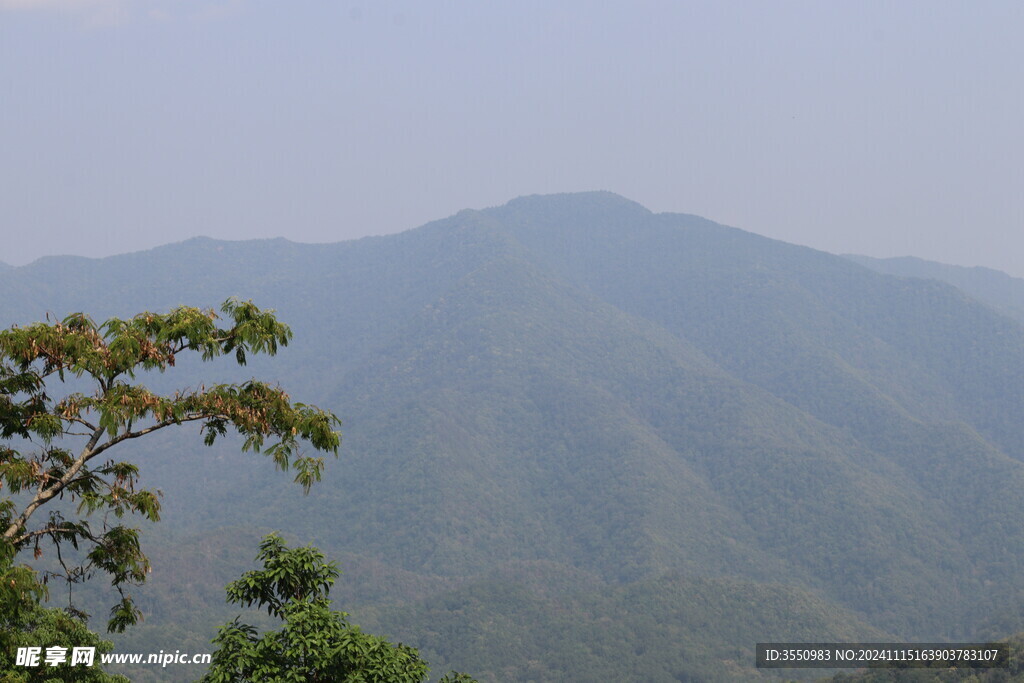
568,409
667,629
995,288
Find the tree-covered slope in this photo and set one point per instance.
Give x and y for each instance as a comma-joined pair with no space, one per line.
576,383
669,628
993,287
839,341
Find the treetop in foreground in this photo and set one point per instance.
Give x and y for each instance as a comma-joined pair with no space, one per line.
315,643
52,441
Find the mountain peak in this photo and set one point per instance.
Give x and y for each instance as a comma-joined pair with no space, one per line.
577,204
590,212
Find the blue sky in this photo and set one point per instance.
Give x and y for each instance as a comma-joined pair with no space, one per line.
883,128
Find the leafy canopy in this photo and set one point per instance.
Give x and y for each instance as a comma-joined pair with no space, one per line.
314,643
52,441
52,628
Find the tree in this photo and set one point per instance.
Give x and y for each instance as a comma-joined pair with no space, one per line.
53,441
314,642
55,628
25,623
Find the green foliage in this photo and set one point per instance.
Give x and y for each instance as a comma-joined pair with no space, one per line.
658,631
576,380
24,623
314,643
53,440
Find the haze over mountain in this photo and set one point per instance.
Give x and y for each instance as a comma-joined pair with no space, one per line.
569,415
994,287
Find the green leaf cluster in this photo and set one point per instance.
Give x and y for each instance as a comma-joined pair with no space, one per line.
53,439
24,623
314,643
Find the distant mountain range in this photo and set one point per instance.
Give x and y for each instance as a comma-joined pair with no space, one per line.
581,437
994,287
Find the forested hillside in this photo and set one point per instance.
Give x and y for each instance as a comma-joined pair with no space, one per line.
993,287
580,437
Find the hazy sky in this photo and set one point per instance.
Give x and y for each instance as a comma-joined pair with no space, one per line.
883,128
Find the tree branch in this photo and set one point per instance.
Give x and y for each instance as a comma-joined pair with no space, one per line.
45,494
40,532
80,421
148,430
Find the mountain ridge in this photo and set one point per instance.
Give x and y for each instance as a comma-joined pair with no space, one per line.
575,382
1001,291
